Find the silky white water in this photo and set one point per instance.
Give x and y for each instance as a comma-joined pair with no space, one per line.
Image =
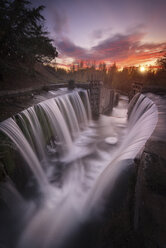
73,160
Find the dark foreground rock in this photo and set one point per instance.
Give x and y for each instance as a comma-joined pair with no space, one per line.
152,195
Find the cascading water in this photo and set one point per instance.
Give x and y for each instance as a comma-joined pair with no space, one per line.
74,161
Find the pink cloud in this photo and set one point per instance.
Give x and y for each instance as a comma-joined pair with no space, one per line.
120,48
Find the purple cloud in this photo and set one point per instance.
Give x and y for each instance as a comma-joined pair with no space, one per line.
69,49
119,48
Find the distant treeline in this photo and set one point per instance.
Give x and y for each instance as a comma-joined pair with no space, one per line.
23,38
114,78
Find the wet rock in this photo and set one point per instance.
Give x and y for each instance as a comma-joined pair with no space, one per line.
71,84
155,172
152,195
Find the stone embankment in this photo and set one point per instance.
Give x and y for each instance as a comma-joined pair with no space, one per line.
15,101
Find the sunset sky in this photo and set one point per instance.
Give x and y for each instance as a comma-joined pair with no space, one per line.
128,32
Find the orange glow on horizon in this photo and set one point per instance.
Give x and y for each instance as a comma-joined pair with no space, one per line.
145,59
142,69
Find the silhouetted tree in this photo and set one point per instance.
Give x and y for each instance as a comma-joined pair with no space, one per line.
72,68
22,34
162,62
102,67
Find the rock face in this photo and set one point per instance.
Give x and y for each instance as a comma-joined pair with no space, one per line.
151,193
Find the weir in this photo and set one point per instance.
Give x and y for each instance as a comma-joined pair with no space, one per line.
67,165
101,98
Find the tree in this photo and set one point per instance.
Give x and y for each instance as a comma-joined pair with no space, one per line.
72,68
102,67
112,72
22,34
162,62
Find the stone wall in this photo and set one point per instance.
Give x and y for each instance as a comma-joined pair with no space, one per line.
101,98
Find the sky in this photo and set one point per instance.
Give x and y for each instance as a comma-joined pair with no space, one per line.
128,32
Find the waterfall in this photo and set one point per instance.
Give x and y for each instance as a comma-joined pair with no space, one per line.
73,162
12,130
142,122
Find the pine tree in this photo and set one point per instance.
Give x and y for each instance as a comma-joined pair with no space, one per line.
22,34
